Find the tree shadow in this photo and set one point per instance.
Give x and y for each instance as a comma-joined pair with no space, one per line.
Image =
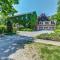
10,44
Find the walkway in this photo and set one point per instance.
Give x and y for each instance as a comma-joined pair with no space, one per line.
33,33
47,42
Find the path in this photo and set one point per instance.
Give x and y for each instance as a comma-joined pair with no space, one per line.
33,33
47,42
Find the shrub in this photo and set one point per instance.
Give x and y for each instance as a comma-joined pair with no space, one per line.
14,29
58,26
44,36
2,29
25,29
57,31
52,36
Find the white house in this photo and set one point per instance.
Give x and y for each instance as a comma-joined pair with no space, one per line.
45,24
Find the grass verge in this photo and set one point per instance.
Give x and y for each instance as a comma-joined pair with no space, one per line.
46,51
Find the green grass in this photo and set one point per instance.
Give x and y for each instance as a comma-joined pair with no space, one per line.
47,51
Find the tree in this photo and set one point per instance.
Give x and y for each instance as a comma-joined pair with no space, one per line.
33,20
56,16
6,10
58,8
6,7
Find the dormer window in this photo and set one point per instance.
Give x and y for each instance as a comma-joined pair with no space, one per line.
40,22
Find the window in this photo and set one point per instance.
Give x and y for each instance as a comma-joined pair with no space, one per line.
40,22
51,28
52,22
46,22
45,28
41,28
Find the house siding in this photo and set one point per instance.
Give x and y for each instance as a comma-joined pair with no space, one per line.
46,25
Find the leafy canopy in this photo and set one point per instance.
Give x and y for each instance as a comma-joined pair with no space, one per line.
6,7
58,8
57,15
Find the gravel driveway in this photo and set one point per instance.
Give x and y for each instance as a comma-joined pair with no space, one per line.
9,45
33,33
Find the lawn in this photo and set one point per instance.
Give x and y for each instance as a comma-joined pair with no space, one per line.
46,51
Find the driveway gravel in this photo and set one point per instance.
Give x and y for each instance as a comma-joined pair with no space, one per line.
10,43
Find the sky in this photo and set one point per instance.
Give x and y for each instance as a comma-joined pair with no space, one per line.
49,7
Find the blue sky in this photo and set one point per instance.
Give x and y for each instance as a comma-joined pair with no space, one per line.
40,6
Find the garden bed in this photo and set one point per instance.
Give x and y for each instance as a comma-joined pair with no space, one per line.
52,36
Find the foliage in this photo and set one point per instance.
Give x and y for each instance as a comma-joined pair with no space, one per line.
6,10
2,29
33,20
27,20
6,7
9,26
53,36
58,8
56,16
57,30
58,27
25,29
14,29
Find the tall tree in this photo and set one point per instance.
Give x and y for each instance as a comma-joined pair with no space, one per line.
6,10
58,8
6,7
57,15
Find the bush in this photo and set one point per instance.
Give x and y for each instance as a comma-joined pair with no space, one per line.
14,29
52,36
58,27
44,36
25,29
2,29
57,31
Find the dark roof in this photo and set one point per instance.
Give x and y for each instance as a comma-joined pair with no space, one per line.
43,17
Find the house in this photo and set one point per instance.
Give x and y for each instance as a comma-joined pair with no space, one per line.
31,21
44,23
